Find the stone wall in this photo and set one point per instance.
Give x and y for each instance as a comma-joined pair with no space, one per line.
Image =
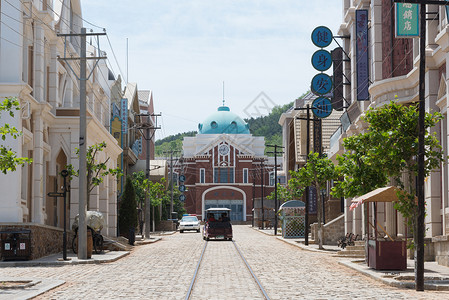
441,249
165,226
332,231
45,240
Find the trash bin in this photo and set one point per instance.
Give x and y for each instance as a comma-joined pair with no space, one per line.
132,236
16,244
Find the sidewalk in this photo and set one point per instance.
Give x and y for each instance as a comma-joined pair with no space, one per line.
27,288
436,277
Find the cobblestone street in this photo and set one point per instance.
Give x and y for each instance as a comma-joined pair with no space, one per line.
164,270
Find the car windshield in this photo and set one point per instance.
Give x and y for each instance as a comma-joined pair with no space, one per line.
189,219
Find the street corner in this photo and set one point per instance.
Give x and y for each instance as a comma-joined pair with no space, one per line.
434,279
26,287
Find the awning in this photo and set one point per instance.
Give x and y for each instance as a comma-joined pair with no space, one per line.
292,203
385,194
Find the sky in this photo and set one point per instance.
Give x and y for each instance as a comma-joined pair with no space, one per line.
183,50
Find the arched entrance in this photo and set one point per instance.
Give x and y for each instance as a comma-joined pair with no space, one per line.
228,197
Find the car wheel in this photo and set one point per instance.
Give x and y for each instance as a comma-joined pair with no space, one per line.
197,230
204,238
181,231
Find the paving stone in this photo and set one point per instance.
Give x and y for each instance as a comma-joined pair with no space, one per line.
164,270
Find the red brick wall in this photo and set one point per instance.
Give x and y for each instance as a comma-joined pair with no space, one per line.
397,54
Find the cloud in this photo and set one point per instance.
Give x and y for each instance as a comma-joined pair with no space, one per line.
183,50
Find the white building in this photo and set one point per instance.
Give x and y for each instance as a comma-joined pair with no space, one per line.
394,73
49,96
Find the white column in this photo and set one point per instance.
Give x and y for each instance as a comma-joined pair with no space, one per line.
38,169
432,185
39,63
376,41
390,216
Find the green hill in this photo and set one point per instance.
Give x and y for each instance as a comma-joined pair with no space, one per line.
266,126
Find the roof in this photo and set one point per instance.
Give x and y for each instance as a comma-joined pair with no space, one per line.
292,203
223,121
384,194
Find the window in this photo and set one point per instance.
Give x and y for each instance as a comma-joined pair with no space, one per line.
245,175
272,181
202,175
223,175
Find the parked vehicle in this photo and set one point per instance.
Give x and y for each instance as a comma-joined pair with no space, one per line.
189,222
217,224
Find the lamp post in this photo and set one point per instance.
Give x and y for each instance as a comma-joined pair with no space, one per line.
64,174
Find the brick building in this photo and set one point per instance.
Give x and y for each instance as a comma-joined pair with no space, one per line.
222,164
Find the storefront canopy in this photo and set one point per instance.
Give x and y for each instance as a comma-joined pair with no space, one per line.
385,194
292,203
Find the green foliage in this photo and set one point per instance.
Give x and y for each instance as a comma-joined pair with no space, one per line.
95,170
316,172
137,180
284,194
8,158
172,142
389,149
128,218
158,194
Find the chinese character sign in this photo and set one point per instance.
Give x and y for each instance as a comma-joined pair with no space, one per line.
124,111
362,61
321,60
321,36
407,20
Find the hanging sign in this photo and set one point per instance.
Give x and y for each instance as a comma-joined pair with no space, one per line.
312,200
407,20
182,197
362,62
182,178
124,114
321,60
321,36
322,107
321,84
182,188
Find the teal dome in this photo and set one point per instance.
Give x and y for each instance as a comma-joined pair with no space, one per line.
223,121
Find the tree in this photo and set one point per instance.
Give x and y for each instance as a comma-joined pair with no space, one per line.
388,149
284,194
128,210
8,158
95,170
316,172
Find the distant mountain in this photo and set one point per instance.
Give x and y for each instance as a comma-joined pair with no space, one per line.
266,126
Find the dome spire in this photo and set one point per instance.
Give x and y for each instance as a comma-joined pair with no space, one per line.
223,95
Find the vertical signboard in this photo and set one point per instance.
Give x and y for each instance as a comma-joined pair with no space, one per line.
362,62
337,97
407,20
312,200
124,111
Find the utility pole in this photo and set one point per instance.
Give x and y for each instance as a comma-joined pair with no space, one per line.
171,180
261,192
306,229
276,202
82,176
148,126
420,222
254,193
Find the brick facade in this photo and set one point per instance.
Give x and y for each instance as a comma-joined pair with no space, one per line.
397,54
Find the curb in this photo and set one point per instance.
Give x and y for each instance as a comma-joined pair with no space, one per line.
391,281
31,263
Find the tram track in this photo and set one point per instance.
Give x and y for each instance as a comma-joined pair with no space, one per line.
248,267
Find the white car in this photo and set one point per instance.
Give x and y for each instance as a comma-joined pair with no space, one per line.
189,223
